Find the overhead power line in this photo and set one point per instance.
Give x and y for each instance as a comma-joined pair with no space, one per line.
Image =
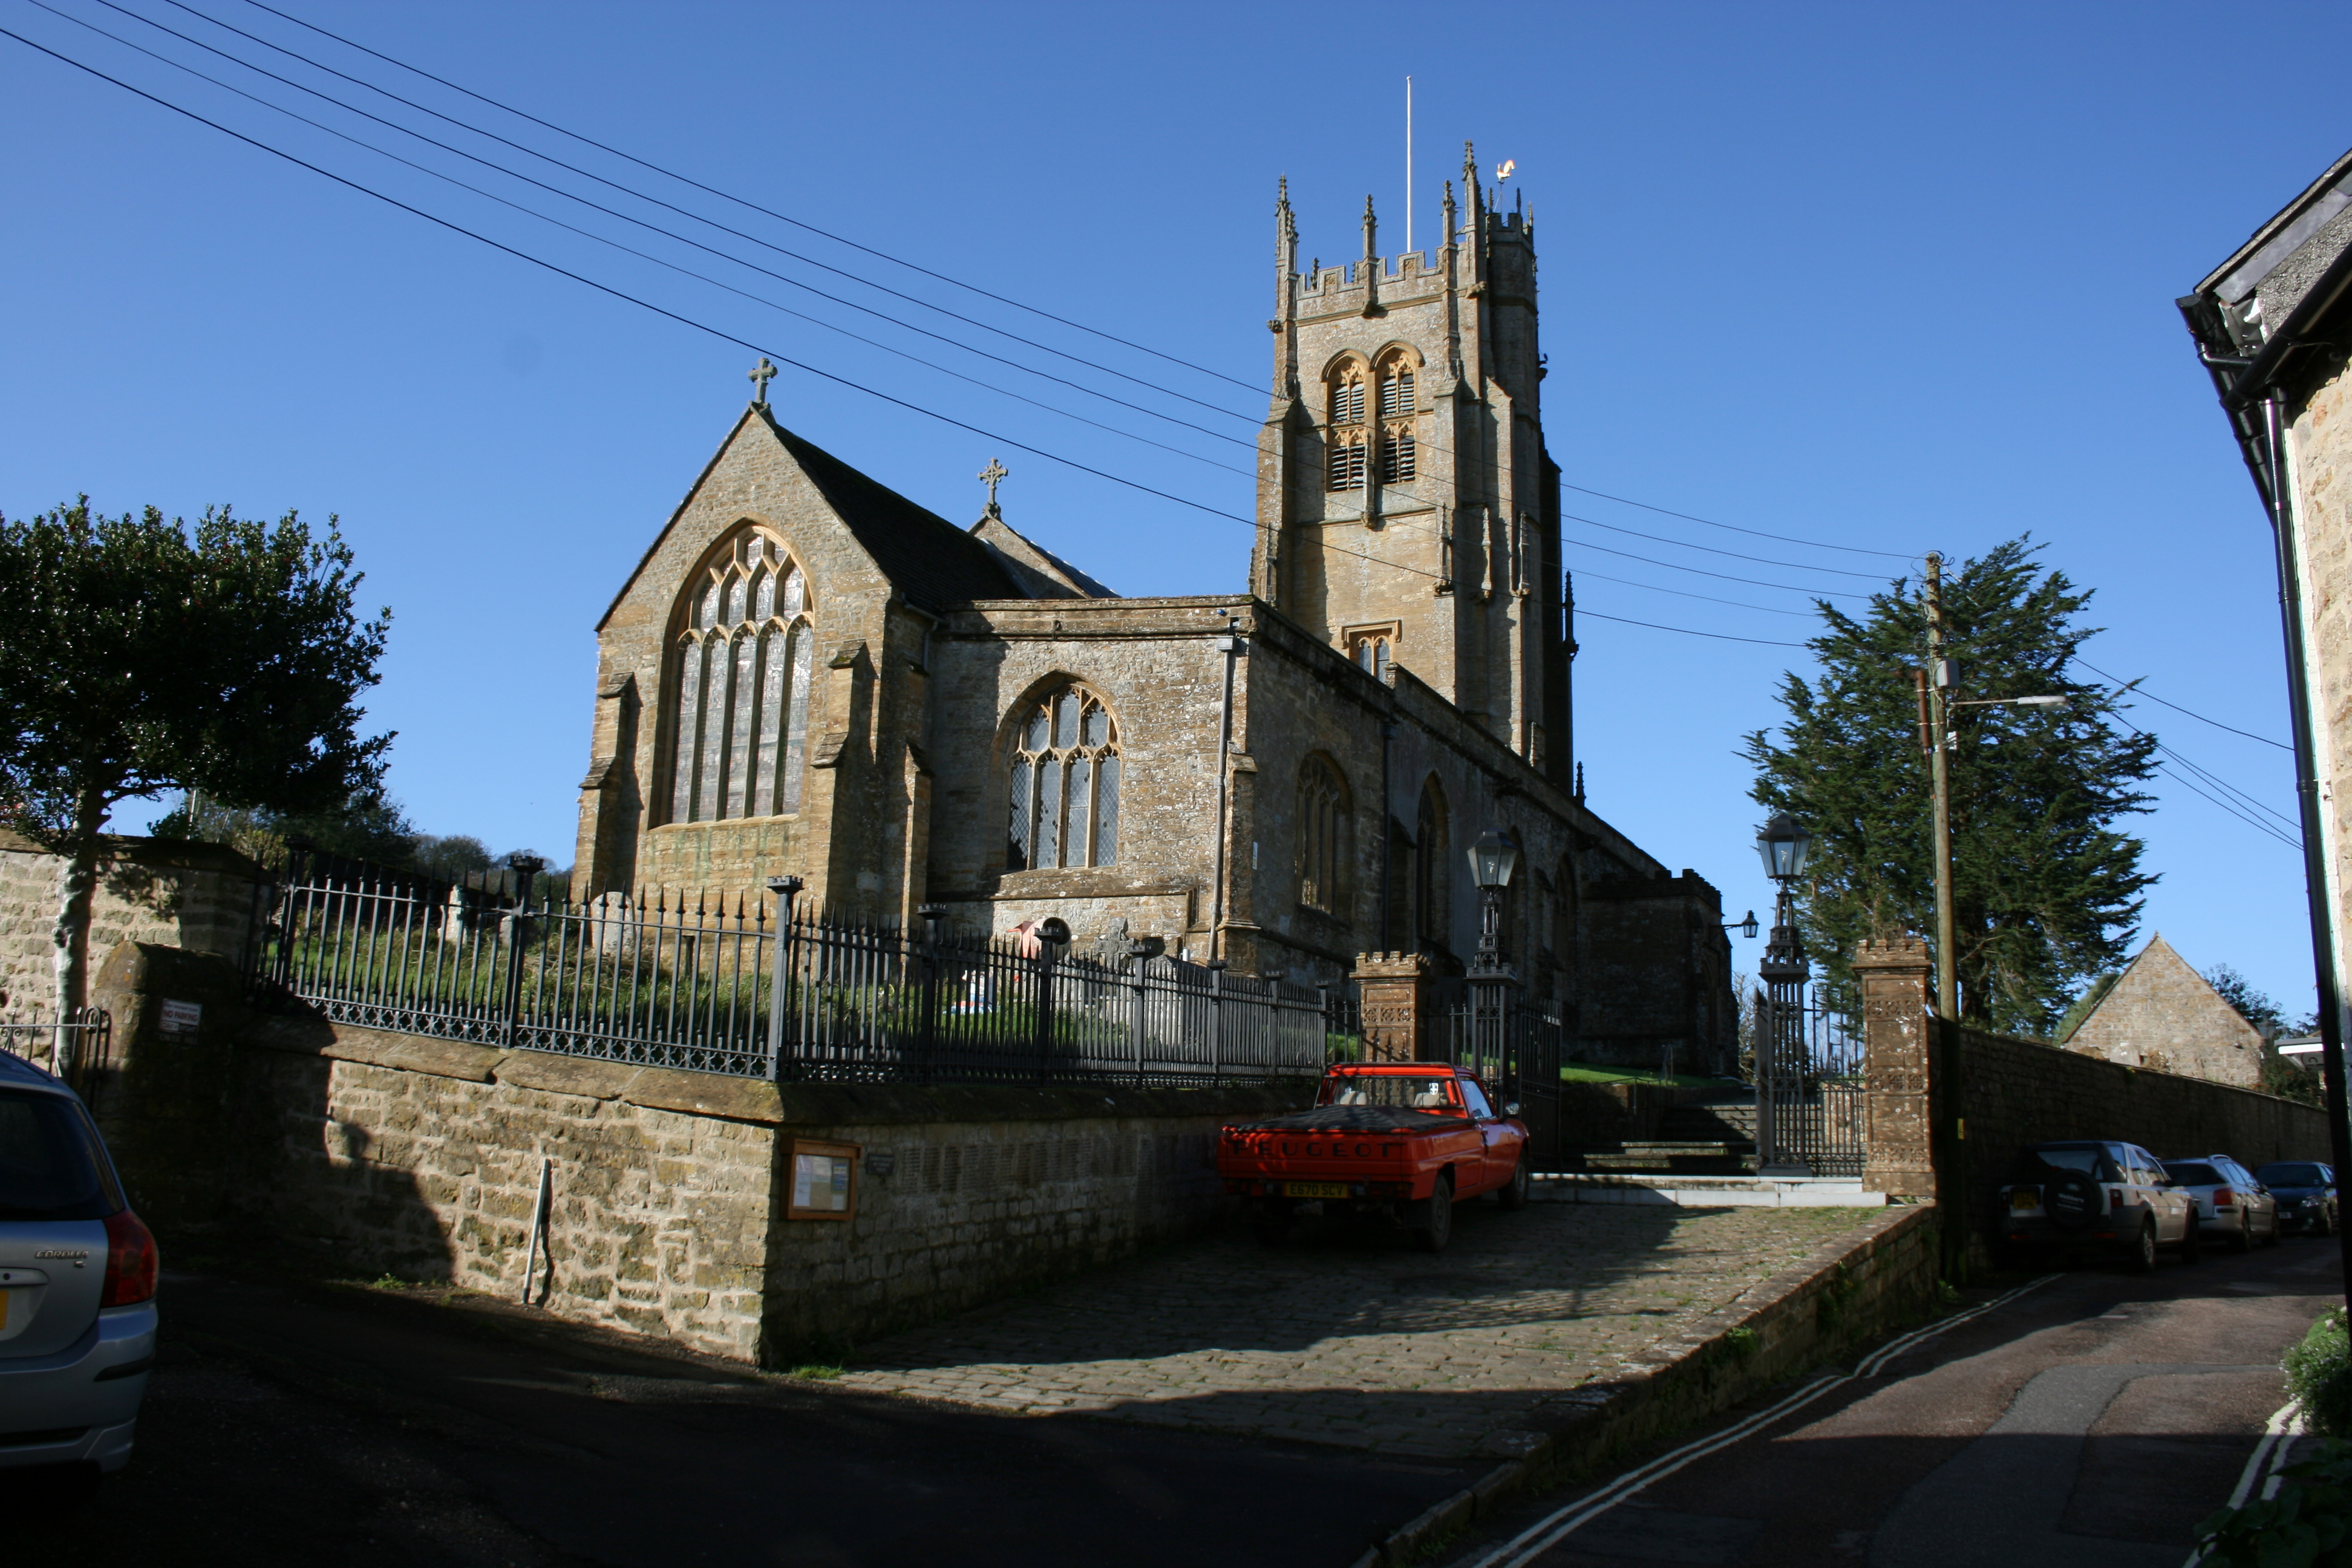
609,212
1687,631
1700,571
1686,517
2138,690
671,206
753,206
1681,593
1711,550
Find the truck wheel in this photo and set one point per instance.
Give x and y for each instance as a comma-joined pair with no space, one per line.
1437,1223
2142,1260
1513,1194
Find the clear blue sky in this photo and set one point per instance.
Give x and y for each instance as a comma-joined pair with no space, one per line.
1893,278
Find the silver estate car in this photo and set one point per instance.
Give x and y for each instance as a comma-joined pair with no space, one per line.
2231,1204
76,1283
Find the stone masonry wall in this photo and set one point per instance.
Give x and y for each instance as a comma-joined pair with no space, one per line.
2016,1092
379,1152
196,896
2319,446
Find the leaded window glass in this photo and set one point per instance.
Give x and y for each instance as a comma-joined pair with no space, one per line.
745,660
1064,780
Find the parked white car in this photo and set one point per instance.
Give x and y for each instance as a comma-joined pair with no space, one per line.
76,1283
2231,1206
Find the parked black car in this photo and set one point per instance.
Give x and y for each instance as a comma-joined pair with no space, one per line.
2306,1191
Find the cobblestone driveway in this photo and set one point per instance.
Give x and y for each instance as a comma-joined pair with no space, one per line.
1358,1341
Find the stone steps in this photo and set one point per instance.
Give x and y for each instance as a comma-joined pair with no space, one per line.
1717,1156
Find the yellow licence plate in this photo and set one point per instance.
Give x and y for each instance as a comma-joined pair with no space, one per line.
1315,1189
2025,1200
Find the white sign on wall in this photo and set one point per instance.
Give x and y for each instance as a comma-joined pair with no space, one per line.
181,1018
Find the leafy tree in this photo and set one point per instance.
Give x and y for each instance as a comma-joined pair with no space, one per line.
2047,891
451,857
140,657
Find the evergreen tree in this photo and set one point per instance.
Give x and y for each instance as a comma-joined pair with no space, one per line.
139,656
2045,889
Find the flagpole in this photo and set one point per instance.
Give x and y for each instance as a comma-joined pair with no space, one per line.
1408,163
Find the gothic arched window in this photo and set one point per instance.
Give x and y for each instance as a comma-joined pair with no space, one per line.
1348,442
744,655
1398,407
1322,835
1431,884
1065,779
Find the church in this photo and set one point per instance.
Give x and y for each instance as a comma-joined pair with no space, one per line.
810,674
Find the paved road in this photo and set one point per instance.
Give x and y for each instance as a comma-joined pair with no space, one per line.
2092,1422
1358,1339
326,1427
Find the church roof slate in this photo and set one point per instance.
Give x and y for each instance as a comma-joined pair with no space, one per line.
930,559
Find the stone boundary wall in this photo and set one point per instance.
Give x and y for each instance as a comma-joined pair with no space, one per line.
196,896
1853,1290
2017,1092
382,1152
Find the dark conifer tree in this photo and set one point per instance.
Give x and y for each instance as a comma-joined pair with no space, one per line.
2047,890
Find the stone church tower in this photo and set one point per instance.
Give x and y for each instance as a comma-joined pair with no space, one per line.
1407,509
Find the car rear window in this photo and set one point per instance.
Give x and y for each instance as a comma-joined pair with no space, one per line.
50,1163
1397,1091
2290,1174
2036,1164
2194,1173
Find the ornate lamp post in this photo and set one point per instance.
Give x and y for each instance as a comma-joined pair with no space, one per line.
1781,1045
1493,858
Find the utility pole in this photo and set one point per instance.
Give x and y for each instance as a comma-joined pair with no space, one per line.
1939,761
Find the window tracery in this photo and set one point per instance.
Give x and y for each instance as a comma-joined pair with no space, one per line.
744,659
1398,407
1064,780
1322,833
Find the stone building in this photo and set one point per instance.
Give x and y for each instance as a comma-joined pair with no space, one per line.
809,673
2272,328
2161,1014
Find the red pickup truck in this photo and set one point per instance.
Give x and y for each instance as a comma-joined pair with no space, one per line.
1399,1140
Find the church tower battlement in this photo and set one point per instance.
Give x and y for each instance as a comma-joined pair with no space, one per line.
1407,510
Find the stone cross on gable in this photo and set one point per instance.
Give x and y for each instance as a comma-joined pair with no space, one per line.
994,475
761,373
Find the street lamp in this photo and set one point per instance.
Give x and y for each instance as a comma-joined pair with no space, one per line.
1746,928
1784,847
1493,858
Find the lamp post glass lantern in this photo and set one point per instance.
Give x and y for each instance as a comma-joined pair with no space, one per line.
1493,858
1784,847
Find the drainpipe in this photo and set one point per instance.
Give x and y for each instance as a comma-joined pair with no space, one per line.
2307,789
1235,648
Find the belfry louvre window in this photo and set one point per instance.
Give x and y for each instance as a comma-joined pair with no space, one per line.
1322,816
1347,464
1347,402
743,667
1065,779
1396,395
1396,456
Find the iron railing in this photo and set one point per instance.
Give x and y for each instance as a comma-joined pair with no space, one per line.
722,987
72,1046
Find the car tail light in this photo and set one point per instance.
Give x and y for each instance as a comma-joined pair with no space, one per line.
2223,1199
2114,1197
130,1261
